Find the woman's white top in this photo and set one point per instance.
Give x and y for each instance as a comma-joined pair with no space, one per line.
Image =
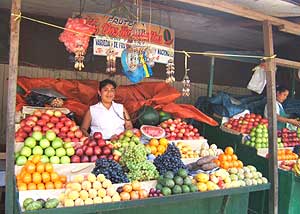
107,121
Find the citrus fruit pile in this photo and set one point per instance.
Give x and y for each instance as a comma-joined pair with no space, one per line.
157,147
36,175
228,159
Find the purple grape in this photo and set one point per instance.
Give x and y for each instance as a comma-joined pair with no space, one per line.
158,191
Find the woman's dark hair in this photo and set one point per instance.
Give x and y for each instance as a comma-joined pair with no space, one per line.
281,88
106,82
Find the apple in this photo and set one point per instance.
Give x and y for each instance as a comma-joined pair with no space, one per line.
68,123
89,151
78,133
97,150
30,123
64,129
110,157
67,139
97,135
23,123
33,118
50,135
73,128
49,112
21,160
59,125
106,150
102,156
37,128
65,160
60,152
19,139
70,134
56,130
49,151
25,151
68,145
75,159
45,129
54,160
54,119
41,122
92,143
37,150
84,159
70,151
93,158
50,125
56,144
101,142
75,140
57,113
27,128
30,142
37,113
79,152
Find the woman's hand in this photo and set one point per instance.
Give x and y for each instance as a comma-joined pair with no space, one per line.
294,122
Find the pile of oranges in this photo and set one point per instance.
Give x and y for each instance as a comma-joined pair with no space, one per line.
36,175
132,191
286,154
228,159
157,147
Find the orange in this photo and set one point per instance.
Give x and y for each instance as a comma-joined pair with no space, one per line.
49,185
240,164
229,157
58,184
153,149
31,186
22,187
18,177
36,159
46,177
225,165
222,157
63,179
27,178
36,178
229,150
40,167
49,167
54,176
235,164
163,142
161,148
154,142
234,157
217,162
40,186
30,167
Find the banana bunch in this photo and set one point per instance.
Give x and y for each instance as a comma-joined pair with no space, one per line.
296,167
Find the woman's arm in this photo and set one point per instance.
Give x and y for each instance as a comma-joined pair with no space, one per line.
288,120
128,123
86,123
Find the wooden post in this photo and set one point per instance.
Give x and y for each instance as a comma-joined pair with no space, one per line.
272,116
11,107
294,72
211,77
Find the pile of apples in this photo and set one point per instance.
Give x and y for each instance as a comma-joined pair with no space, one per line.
178,129
288,138
43,121
93,148
246,123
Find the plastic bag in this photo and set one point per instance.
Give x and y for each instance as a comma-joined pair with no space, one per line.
258,80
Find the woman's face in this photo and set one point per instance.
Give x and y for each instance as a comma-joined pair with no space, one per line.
107,93
281,96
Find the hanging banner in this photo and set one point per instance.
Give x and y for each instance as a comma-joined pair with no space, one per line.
117,32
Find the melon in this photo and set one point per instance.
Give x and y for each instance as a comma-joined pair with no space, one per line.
152,131
148,116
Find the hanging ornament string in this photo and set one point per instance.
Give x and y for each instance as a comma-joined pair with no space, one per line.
186,80
19,16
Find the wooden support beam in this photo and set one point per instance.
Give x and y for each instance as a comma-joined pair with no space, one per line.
10,199
211,77
223,6
287,63
272,116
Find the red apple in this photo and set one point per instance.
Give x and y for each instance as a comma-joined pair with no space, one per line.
64,129
93,158
45,117
97,150
84,159
50,125
106,150
75,159
30,123
75,140
41,122
79,152
68,122
67,139
57,113
33,118
101,142
89,151
73,128
54,119
37,128
27,128
97,135
37,113
78,133
70,134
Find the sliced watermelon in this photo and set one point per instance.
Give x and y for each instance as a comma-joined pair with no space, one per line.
152,131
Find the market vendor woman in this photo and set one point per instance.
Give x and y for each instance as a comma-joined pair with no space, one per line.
108,117
282,118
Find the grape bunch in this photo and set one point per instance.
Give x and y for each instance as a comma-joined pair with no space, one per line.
169,161
111,169
155,193
142,171
134,154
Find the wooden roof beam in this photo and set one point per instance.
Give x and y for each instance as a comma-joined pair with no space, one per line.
223,6
287,63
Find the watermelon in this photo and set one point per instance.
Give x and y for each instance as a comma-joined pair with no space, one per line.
152,132
148,116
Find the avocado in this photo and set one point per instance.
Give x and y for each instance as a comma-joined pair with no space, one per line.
169,183
158,187
176,189
185,188
35,205
27,201
182,173
178,180
42,201
169,174
51,203
193,188
166,191
187,181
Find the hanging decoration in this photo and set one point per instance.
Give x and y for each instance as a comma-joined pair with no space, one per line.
111,61
79,56
186,90
170,71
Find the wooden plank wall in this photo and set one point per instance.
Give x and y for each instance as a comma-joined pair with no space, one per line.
197,89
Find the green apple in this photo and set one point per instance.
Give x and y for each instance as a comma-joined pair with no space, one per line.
50,152
44,143
60,152
70,151
37,135
30,142
30,157
25,151
37,150
50,135
248,142
21,160
45,159
65,160
252,144
68,145
56,144
17,154
58,138
54,160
